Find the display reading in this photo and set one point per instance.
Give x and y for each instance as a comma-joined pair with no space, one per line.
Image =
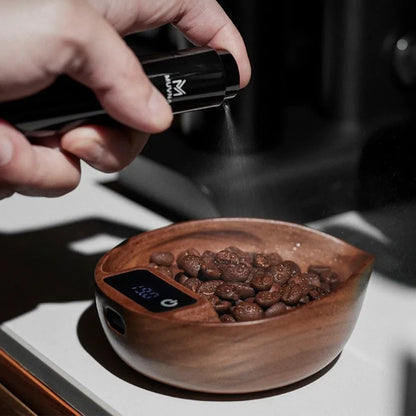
149,291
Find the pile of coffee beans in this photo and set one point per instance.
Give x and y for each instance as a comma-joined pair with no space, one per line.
246,286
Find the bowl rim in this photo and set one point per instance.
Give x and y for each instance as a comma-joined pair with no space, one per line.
368,260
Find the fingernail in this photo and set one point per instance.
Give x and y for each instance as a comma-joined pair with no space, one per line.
159,108
6,151
84,142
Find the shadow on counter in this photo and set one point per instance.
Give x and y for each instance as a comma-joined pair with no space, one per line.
40,266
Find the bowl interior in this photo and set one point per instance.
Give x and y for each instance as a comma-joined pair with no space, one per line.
294,242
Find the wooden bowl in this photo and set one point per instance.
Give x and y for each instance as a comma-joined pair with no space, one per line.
197,353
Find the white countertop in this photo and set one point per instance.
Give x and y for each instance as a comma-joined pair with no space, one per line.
49,248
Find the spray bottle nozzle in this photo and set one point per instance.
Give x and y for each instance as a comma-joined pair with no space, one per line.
232,75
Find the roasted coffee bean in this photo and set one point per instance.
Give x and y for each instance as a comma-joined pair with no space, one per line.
291,293
247,311
261,261
167,271
181,278
275,287
266,298
304,299
262,282
300,280
191,265
325,274
193,283
236,272
208,256
227,291
162,258
209,271
255,273
209,287
244,290
243,256
276,309
187,252
331,279
226,317
244,286
220,305
317,293
291,267
312,278
280,273
225,257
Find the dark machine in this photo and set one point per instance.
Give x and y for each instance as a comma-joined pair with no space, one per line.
326,124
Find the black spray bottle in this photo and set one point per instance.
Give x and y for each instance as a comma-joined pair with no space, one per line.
190,79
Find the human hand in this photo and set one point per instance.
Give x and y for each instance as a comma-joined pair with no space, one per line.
43,39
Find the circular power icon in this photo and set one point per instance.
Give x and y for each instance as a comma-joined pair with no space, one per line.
169,303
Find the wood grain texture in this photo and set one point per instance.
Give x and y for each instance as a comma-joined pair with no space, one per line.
239,357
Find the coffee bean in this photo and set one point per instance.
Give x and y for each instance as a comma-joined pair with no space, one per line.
209,287
193,283
291,293
162,258
284,270
236,272
300,280
276,309
312,278
190,265
225,257
244,290
226,317
317,293
181,278
220,305
227,291
209,271
262,282
261,261
245,286
266,298
247,311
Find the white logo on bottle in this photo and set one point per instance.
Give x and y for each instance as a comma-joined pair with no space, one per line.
174,88
178,84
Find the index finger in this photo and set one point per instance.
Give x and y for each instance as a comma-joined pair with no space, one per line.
205,23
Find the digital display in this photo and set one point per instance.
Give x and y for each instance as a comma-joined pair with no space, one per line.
149,291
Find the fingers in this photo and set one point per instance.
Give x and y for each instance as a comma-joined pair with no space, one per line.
30,169
107,149
52,168
95,55
203,22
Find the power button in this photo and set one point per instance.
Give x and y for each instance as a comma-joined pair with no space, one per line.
169,303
